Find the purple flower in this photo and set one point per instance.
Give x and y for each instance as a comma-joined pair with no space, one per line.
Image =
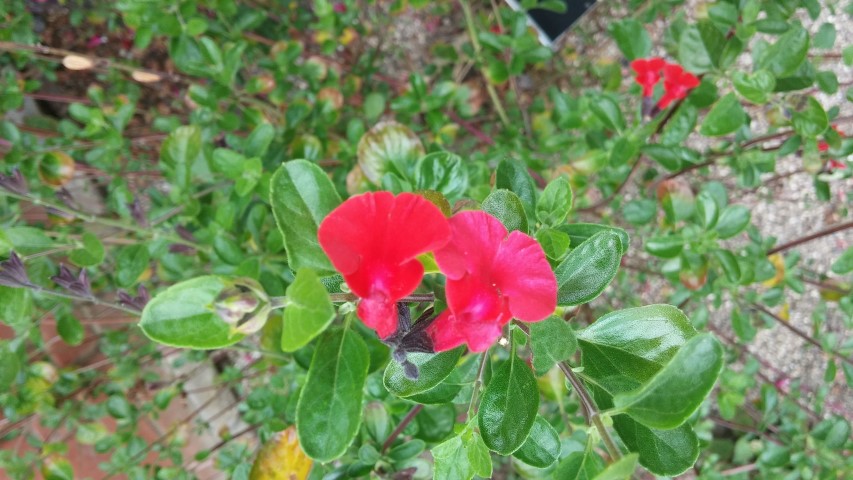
78,285
138,302
13,274
14,182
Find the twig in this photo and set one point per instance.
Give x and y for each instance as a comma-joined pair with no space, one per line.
796,331
475,395
591,410
496,100
808,238
402,426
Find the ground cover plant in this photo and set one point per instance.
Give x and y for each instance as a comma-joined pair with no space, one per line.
251,239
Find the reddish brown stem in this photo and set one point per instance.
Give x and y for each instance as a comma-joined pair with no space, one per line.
808,238
402,426
796,331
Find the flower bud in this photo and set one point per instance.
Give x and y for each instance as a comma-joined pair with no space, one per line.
244,305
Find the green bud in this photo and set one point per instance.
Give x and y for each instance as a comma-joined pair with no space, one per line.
244,305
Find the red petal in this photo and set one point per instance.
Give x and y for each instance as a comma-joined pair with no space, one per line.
447,333
379,314
524,276
443,333
475,239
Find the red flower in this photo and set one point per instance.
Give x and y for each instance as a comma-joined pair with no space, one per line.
491,278
834,164
373,239
340,7
647,72
676,84
822,146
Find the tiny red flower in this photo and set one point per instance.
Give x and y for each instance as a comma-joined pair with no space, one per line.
647,73
676,84
491,278
340,7
373,239
834,164
822,146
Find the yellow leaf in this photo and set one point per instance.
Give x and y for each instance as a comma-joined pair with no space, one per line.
785,312
282,459
779,262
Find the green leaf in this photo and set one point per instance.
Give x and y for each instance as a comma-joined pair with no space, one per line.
512,175
374,105
184,315
662,452
552,341
786,55
57,469
388,147
580,465
70,329
308,312
621,469
639,212
844,264
555,203
508,407
669,246
680,125
707,210
692,53
16,308
554,243
624,349
588,269
811,121
506,207
581,232
755,87
443,172
10,365
542,447
258,142
733,220
178,153
676,391
461,457
725,117
90,254
631,38
608,111
131,262
672,157
825,36
447,390
328,414
432,368
742,326
729,263
713,40
301,196
834,432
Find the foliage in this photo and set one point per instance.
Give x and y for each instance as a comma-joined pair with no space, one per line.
214,170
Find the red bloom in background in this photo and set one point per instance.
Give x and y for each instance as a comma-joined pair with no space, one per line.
491,278
647,73
676,84
373,239
834,164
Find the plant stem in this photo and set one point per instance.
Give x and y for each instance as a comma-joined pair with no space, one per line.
281,302
475,394
592,411
796,331
809,238
92,299
103,221
496,100
402,426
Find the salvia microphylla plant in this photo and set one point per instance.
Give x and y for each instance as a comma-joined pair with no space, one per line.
473,257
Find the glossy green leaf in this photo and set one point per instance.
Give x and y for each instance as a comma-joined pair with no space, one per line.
833,432
676,391
301,196
512,175
624,349
725,117
555,203
639,212
672,157
733,220
446,391
680,125
435,422
742,326
258,142
811,121
16,307
432,368
588,269
461,457
506,207
707,210
692,53
508,407
184,316
542,447
90,254
581,232
442,172
662,452
329,411
631,38
786,55
554,243
552,341
55,468
10,365
374,105
388,147
844,264
755,87
621,469
580,465
308,312
730,265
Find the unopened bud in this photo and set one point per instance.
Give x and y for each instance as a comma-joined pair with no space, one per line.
244,305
